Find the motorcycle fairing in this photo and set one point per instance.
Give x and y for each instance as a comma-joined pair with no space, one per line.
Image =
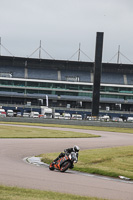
61,161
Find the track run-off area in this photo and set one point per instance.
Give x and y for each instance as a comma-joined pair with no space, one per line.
15,172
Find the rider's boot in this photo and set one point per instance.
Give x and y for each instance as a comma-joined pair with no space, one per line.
72,166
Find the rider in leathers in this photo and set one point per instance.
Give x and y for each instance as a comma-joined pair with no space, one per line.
67,152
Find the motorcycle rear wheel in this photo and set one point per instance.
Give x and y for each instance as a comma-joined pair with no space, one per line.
65,166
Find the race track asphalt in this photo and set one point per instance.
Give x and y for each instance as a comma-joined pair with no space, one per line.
15,172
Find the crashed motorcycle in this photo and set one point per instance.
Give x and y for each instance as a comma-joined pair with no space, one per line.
63,163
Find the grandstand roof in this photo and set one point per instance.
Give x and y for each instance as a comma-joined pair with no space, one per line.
63,64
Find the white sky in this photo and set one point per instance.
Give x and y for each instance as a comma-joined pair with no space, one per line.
62,24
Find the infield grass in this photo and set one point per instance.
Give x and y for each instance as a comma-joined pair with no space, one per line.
14,193
97,128
113,162
30,132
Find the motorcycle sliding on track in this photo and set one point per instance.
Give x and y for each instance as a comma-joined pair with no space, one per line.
62,164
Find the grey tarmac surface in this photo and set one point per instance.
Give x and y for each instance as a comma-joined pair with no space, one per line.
15,172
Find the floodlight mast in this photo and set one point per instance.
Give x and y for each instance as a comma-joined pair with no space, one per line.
40,50
118,57
79,52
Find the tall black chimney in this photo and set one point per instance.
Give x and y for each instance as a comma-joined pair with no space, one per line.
97,74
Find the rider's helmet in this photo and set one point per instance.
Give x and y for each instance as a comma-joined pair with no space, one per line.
76,148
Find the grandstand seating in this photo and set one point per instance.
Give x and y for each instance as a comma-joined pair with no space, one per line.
81,75
65,82
130,79
66,75
16,72
112,78
47,74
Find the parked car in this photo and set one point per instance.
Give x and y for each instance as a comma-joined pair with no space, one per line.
104,118
2,111
92,118
130,119
117,119
66,115
61,117
18,114
56,115
76,116
10,113
41,116
34,114
3,114
26,114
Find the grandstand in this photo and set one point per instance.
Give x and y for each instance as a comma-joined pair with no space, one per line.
65,83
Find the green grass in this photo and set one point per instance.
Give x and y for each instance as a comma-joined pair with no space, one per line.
97,128
14,193
113,162
26,132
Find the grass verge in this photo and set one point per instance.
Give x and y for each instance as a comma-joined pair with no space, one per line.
14,193
97,128
26,132
113,162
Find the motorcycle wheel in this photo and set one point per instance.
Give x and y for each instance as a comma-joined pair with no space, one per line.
51,167
65,166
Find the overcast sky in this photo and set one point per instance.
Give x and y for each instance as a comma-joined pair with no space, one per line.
62,24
